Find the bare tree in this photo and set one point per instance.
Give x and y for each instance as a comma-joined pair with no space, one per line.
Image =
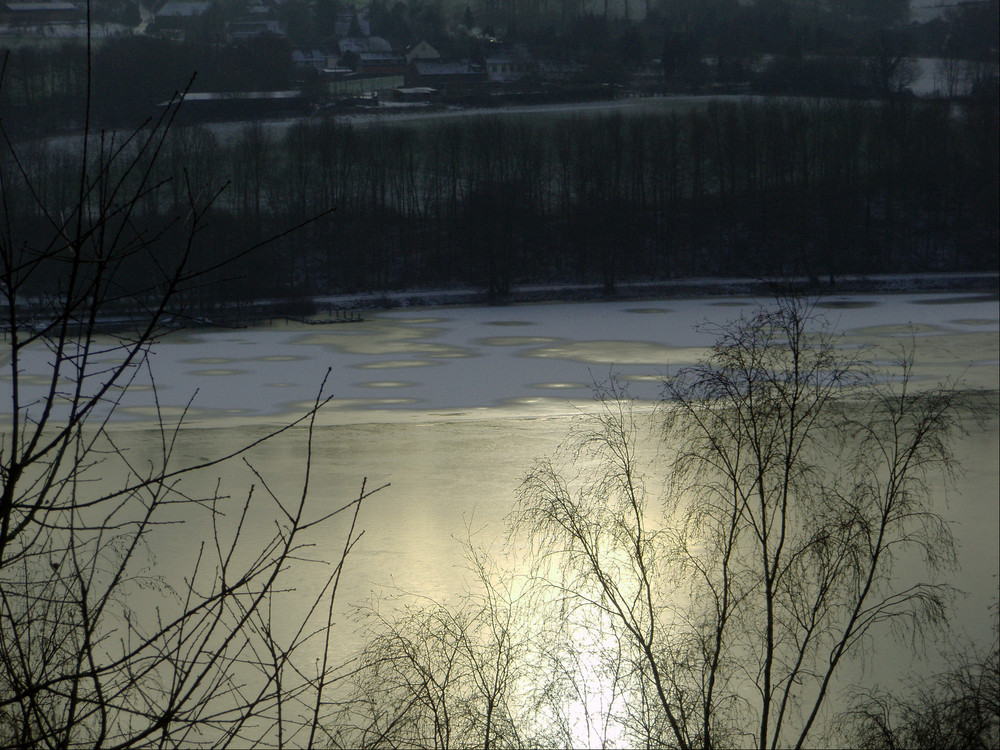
596,550
889,71
441,675
959,707
950,73
96,647
798,478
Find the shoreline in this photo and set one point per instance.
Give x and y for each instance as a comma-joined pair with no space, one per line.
348,308
965,283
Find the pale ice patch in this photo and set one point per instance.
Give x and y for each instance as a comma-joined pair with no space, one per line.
393,364
210,360
452,361
618,353
842,304
516,340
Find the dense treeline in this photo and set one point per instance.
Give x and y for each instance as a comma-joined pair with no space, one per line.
43,90
744,188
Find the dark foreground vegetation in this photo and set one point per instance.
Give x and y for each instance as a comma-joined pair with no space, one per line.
750,188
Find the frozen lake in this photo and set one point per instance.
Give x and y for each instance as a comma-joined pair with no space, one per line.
516,361
453,405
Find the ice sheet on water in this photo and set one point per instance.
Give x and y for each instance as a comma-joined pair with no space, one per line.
451,360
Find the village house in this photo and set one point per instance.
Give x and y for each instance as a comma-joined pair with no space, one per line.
257,19
440,74
380,64
309,58
422,51
360,44
176,16
559,71
371,56
240,30
508,66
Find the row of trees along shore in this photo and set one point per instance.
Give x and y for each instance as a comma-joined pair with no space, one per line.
744,188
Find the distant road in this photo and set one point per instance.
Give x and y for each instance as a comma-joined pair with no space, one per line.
393,113
390,112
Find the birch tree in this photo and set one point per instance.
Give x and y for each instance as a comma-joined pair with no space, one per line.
799,478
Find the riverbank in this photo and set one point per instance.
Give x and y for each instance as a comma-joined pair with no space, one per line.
348,308
986,283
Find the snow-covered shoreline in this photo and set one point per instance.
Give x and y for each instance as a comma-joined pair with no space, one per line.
669,289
